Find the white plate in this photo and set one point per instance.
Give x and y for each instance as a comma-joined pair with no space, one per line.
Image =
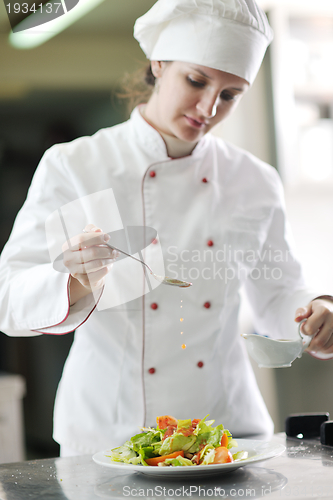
258,451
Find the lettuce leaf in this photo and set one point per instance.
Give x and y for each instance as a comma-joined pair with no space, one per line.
232,443
207,454
176,442
240,455
179,461
206,434
184,424
145,439
125,454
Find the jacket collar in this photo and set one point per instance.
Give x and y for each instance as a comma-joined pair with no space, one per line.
154,143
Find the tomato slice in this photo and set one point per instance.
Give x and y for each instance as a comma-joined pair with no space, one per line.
166,421
222,455
156,460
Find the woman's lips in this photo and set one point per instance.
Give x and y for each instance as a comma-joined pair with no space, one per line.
195,123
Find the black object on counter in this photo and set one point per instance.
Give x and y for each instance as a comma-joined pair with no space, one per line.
326,433
306,425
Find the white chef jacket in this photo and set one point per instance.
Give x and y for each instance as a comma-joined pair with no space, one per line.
219,214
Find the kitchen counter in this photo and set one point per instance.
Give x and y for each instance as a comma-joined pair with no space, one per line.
303,471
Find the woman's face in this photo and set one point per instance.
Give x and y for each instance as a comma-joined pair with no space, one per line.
190,99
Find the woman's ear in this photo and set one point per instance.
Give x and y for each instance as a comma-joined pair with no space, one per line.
156,68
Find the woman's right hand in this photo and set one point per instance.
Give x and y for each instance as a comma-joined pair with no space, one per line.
88,261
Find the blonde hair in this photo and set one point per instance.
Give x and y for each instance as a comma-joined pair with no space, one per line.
137,87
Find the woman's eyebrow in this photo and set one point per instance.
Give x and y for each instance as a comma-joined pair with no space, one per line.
210,78
201,72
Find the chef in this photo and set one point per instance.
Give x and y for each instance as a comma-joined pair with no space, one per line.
143,349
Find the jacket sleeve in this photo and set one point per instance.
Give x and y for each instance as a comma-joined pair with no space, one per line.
34,297
276,287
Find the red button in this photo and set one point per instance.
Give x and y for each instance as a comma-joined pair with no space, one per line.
152,173
154,241
152,370
207,305
210,243
200,364
154,305
204,180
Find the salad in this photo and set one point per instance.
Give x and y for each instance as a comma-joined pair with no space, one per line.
179,443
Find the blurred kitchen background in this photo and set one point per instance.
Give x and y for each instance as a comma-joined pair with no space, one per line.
67,87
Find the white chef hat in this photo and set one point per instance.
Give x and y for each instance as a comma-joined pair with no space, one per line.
228,35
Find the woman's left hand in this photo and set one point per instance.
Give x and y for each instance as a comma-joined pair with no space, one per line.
319,323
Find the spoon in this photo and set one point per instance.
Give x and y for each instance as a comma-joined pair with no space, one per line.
165,280
269,353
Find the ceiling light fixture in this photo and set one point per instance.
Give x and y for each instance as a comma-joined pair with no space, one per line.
36,28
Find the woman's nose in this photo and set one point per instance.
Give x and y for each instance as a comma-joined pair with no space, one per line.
208,106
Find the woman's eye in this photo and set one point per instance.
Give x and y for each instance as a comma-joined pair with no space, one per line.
195,83
226,96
